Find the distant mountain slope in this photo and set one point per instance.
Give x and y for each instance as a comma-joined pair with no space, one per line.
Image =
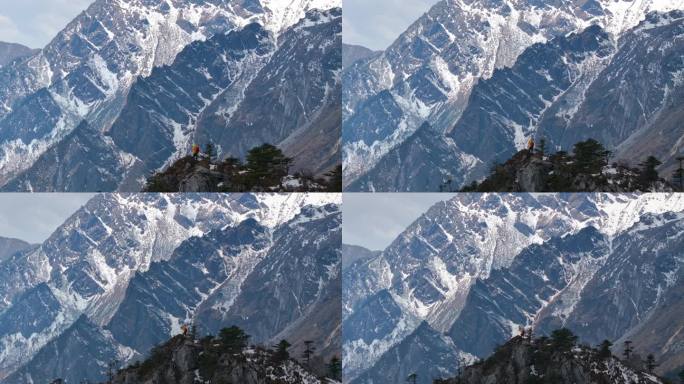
11,51
89,350
9,246
353,253
352,53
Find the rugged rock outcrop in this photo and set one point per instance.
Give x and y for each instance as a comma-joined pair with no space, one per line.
527,172
542,362
185,361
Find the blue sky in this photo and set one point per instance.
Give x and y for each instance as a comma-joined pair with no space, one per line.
374,220
376,24
33,217
35,22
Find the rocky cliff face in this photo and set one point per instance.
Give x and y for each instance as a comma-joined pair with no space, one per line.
90,351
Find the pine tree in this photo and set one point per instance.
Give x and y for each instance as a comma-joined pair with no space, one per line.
563,339
266,166
461,367
648,175
111,367
542,148
281,353
681,376
678,175
335,368
627,352
604,349
308,352
233,340
335,179
210,152
678,179
590,157
193,332
412,378
651,363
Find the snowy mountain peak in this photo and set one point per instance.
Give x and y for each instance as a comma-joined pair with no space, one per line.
430,270
90,260
283,14
427,75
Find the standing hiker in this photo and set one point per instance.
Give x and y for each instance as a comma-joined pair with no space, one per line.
195,151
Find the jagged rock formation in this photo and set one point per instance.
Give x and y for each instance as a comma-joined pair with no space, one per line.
89,350
541,362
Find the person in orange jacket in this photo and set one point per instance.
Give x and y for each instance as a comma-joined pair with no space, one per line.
195,151
530,145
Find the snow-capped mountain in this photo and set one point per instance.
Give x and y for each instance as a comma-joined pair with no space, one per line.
429,73
93,70
107,250
450,268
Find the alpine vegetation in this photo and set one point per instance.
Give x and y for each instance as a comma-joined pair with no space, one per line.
586,169
131,86
558,359
472,272
472,81
152,284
